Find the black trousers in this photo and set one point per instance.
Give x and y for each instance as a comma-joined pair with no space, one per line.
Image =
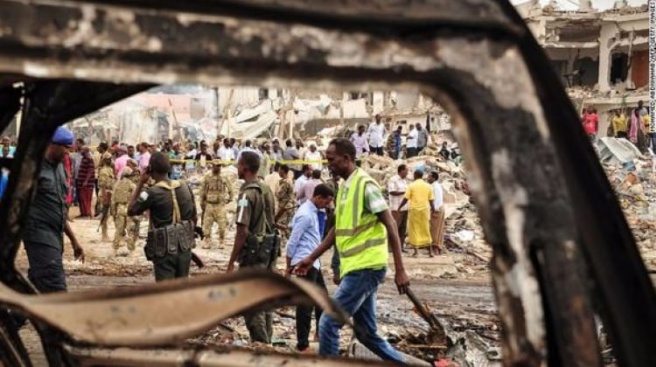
172,266
46,273
46,270
412,152
378,150
304,313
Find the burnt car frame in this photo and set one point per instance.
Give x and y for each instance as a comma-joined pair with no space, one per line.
563,251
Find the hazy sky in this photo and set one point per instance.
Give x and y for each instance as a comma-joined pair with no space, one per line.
597,4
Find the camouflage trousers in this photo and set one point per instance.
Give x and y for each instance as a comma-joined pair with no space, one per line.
124,224
103,228
104,205
214,213
285,221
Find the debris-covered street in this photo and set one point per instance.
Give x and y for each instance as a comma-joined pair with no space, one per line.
240,183
455,286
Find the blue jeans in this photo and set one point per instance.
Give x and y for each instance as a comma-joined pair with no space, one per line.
356,295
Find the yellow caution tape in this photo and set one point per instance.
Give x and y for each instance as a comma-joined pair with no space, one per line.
229,162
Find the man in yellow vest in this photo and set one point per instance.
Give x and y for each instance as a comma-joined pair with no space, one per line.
363,228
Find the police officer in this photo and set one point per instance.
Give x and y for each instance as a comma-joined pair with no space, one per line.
255,241
134,166
121,195
172,219
105,185
47,220
215,194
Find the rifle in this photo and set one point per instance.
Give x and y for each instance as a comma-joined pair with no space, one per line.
103,217
198,232
197,260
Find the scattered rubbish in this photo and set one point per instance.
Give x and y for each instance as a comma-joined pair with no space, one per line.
465,235
357,350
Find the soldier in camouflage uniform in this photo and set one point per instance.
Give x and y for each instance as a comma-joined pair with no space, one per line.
134,166
137,219
120,198
216,193
105,186
286,203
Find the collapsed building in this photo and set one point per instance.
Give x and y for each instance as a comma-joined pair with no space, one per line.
602,57
184,112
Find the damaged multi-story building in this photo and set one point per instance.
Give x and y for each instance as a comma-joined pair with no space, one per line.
602,57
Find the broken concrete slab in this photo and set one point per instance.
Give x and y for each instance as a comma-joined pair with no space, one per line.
617,150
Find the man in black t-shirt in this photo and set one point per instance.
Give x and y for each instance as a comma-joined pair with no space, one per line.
203,157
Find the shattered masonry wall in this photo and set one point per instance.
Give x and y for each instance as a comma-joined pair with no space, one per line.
614,35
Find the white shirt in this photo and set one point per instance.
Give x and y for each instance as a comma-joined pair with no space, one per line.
302,152
226,154
411,141
376,134
248,149
298,185
316,156
396,184
437,195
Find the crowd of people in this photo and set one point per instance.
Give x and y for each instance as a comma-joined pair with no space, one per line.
637,127
375,140
293,201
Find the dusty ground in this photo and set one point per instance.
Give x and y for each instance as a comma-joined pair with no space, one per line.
465,299
455,286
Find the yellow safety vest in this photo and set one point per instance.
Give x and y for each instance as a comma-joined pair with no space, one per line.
361,238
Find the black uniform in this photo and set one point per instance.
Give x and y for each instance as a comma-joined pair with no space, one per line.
170,239
44,234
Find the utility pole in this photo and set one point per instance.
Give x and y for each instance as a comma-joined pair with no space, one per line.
652,61
585,5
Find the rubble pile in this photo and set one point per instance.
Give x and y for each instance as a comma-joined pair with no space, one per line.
634,181
464,233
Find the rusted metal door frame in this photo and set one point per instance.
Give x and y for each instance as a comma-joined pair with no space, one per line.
541,193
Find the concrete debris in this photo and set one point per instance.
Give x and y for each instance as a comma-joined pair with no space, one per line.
464,234
617,150
635,186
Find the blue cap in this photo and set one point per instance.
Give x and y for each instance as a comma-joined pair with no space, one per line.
63,136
